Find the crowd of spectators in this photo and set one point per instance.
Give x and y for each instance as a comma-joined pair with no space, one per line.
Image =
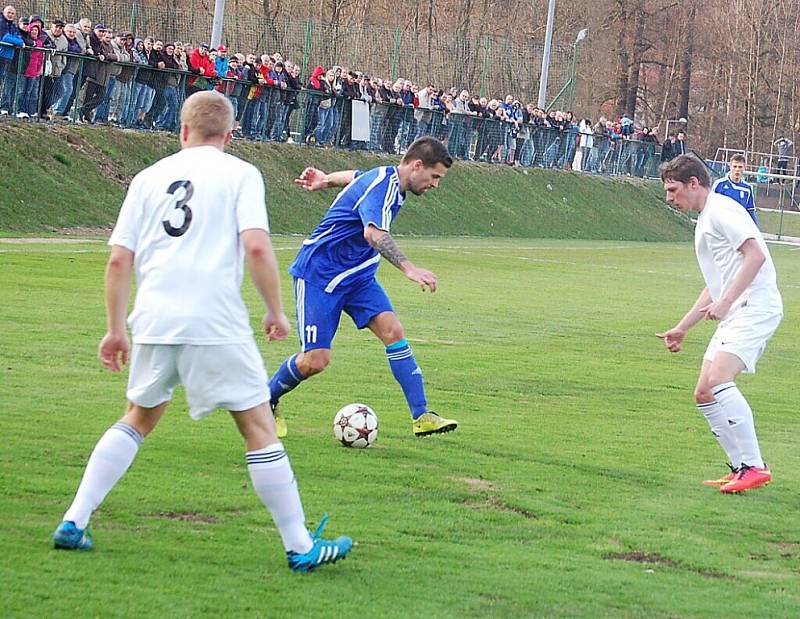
88,73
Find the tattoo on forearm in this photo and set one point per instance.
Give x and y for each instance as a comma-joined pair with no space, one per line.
387,248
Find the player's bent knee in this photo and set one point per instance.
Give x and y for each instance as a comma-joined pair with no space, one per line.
314,362
392,333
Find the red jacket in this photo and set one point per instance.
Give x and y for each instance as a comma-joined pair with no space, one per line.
197,62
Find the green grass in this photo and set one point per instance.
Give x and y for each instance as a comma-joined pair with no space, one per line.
57,177
786,223
579,447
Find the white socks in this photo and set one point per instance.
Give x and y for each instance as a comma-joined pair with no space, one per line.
111,457
739,418
716,418
273,481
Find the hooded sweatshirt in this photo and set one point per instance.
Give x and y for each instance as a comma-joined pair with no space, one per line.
314,81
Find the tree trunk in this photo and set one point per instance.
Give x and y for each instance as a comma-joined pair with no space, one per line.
637,45
623,58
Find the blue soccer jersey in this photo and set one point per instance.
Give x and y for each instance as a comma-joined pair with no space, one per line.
336,256
741,192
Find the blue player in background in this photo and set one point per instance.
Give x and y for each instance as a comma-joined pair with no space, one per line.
335,269
734,186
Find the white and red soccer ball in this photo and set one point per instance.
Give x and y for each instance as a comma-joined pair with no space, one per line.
356,425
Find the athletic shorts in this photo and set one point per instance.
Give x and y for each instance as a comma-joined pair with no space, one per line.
318,312
229,376
744,333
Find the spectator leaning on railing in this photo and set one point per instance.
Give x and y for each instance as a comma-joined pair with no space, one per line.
96,82
55,40
33,63
168,119
62,91
11,36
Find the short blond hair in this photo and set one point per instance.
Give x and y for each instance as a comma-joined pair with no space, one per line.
208,114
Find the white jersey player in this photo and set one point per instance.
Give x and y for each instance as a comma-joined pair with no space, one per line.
185,228
742,293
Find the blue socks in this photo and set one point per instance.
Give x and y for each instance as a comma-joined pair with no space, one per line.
401,361
285,379
407,373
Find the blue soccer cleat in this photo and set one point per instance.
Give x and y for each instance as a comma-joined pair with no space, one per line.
70,537
324,551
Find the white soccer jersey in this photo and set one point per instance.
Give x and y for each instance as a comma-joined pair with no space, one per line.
182,218
722,227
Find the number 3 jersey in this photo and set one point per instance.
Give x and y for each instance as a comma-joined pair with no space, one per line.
182,218
336,256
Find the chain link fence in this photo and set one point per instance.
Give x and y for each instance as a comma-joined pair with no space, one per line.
491,66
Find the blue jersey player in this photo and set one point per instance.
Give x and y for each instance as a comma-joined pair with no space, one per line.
734,186
335,269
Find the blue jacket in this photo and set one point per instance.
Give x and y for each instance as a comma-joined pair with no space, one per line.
13,39
221,65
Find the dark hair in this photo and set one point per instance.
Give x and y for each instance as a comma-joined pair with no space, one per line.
683,168
738,158
430,151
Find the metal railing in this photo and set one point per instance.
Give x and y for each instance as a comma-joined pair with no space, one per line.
140,96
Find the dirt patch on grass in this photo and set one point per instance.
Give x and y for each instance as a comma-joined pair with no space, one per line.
475,483
186,517
787,545
653,558
495,503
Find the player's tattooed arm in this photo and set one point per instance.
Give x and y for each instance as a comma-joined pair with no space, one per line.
387,247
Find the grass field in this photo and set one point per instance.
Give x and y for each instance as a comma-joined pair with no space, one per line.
786,223
571,488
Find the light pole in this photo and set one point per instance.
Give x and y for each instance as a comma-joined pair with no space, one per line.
548,40
216,28
581,36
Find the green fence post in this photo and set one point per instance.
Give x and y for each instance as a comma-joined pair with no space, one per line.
306,48
487,46
74,112
44,11
396,55
573,75
133,17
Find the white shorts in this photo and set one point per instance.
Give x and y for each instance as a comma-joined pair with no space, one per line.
229,376
744,333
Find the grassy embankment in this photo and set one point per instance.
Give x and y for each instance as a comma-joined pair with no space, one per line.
63,177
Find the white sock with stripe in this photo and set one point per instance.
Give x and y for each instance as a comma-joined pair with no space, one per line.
740,421
274,483
111,457
720,428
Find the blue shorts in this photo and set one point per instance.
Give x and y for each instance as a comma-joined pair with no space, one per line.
318,312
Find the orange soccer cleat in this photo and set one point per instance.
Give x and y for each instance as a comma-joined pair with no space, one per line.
749,477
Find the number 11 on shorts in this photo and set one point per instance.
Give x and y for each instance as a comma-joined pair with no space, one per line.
311,334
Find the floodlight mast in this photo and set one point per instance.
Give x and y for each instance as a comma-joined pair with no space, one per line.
548,42
219,18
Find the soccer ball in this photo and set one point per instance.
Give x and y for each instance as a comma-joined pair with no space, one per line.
356,425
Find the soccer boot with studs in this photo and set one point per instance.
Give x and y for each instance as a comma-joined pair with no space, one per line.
323,551
281,429
749,477
69,537
432,423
